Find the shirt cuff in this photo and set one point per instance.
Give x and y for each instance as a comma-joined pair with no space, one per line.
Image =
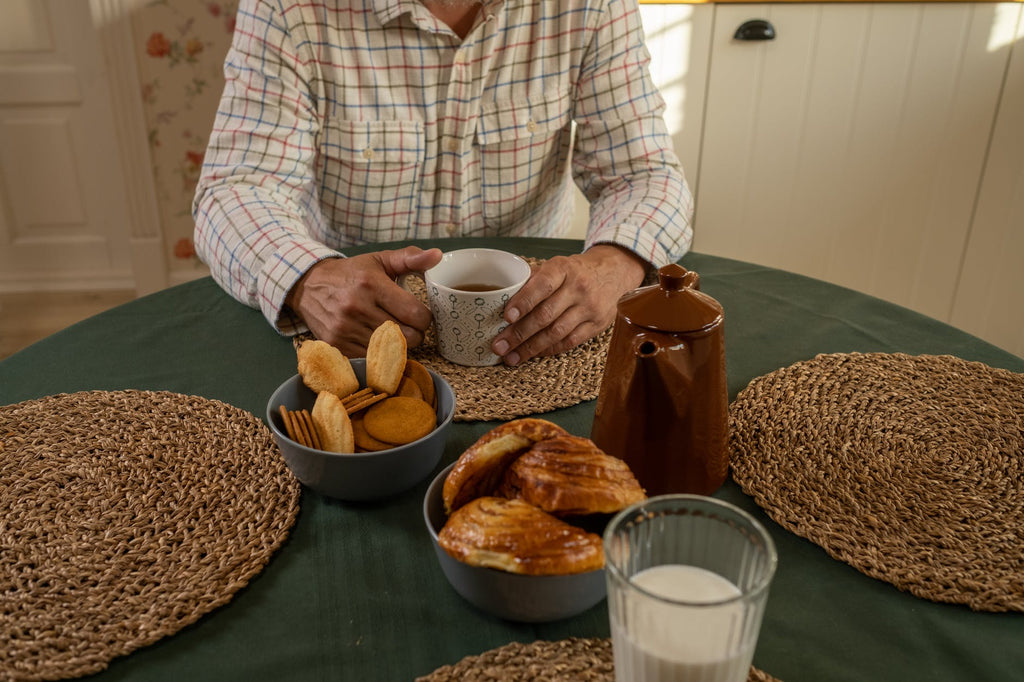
635,239
279,275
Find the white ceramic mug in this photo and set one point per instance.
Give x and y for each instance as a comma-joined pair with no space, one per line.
467,292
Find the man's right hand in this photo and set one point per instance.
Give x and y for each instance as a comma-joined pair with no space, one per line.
342,300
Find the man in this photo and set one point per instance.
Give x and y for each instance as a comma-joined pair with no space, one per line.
370,121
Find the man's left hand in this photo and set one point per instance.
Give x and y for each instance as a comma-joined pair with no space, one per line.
566,301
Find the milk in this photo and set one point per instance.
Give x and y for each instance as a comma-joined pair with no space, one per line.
663,641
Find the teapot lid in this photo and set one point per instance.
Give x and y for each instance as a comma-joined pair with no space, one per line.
674,304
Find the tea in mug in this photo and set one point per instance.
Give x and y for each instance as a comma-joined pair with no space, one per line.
471,286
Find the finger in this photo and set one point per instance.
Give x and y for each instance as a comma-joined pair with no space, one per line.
540,320
567,330
543,283
402,306
413,336
410,259
580,335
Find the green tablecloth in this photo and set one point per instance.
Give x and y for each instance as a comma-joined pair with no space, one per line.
356,593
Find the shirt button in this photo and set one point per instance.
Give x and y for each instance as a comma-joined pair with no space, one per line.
368,153
531,125
460,57
451,228
452,145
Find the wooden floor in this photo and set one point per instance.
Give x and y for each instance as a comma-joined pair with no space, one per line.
26,318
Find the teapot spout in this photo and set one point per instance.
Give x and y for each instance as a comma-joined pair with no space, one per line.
662,369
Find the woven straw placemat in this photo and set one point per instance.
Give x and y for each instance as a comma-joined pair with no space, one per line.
575,659
128,515
536,386
908,468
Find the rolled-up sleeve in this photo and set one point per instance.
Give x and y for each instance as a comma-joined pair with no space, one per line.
623,159
256,209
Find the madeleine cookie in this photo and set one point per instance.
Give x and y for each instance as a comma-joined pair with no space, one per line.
418,374
400,420
333,424
385,358
324,368
479,470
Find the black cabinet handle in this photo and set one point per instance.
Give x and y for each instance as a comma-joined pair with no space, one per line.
755,29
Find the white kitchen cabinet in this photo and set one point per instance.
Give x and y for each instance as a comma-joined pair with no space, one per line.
877,146
851,147
989,300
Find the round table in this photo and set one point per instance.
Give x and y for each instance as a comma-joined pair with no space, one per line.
356,593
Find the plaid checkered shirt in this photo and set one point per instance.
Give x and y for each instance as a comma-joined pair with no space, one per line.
369,121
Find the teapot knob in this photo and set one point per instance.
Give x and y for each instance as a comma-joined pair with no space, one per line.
675,277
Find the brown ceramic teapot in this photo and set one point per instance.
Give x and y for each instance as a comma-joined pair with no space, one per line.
663,405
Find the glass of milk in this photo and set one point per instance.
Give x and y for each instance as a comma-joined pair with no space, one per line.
688,579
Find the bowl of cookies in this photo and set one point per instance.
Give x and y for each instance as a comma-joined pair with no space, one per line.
516,521
361,428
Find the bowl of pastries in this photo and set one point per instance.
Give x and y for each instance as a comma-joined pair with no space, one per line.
362,428
516,521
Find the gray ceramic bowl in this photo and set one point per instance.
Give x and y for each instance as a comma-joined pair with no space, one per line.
359,476
523,598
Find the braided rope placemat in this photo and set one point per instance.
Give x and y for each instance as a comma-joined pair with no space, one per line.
908,468
128,515
575,659
536,386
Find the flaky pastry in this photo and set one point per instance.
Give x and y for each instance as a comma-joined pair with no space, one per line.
515,536
570,475
480,468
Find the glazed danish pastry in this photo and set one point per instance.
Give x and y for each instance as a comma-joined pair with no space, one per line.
570,475
481,467
517,537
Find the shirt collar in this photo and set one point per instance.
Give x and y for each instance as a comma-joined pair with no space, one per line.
388,10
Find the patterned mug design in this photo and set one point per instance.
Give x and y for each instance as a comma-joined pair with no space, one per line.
466,325
467,312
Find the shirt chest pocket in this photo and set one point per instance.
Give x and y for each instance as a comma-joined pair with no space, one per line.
369,176
524,147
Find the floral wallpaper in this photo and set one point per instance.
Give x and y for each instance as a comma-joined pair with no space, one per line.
180,47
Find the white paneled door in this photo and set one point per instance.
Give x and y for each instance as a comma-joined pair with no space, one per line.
63,208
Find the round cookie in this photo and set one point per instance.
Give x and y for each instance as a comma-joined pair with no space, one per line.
408,388
416,372
364,441
400,420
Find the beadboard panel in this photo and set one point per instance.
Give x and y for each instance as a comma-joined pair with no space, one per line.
851,147
990,299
